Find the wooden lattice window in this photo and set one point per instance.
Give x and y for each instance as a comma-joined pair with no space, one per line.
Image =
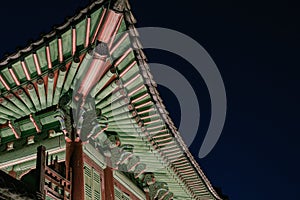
92,183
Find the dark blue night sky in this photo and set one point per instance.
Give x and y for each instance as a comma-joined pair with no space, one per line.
255,45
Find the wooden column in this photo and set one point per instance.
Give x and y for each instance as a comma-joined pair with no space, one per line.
69,150
40,171
109,189
77,170
147,196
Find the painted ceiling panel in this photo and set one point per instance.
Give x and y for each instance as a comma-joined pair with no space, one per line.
80,30
19,71
53,50
67,43
95,18
41,53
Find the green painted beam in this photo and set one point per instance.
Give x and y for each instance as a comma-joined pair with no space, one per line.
71,74
10,106
50,89
28,153
42,93
59,84
23,96
34,96
110,73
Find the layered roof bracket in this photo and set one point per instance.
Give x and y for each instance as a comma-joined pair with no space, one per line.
96,59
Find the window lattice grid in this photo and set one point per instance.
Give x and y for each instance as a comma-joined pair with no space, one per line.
88,191
119,195
96,177
87,171
97,195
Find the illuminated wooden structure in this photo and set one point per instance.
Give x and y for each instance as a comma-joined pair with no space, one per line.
85,92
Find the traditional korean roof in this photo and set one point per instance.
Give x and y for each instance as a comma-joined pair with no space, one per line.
33,80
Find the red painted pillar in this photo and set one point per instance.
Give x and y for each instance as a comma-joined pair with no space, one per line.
147,196
74,166
69,150
40,171
109,189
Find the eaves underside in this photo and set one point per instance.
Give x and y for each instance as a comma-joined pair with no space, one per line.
53,57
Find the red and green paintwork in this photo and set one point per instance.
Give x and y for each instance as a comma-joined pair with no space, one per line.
33,80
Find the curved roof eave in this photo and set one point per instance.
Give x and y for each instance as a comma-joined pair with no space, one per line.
5,63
